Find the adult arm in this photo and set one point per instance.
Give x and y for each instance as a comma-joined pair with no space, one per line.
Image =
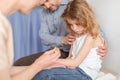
27,73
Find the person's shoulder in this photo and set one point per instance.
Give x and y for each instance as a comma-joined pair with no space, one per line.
98,41
89,40
4,26
89,37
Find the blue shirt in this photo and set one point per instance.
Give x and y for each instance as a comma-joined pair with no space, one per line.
53,28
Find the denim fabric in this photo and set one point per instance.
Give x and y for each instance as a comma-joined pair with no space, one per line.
62,74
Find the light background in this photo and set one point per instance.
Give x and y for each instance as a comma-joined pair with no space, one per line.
108,16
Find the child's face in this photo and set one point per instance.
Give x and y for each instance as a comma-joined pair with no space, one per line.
75,26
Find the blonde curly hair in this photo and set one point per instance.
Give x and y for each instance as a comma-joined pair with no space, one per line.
81,11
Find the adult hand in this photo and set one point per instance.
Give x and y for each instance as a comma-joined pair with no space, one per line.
68,40
47,59
102,50
55,64
41,2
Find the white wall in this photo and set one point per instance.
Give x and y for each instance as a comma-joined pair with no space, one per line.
108,16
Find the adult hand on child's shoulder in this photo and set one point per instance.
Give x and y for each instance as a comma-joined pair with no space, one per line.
102,50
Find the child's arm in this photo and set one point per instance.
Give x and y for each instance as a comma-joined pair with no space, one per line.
88,44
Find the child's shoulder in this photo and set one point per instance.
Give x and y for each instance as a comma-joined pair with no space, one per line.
98,41
89,37
95,41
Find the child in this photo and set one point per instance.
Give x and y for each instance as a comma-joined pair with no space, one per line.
83,63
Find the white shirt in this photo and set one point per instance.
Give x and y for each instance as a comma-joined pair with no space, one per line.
92,63
6,43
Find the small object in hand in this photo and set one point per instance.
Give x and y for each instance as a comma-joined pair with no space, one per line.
56,50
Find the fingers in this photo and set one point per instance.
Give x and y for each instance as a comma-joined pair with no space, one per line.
102,50
53,56
49,56
71,36
51,52
47,59
68,40
54,53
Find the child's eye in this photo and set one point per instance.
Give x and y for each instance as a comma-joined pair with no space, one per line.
69,24
77,24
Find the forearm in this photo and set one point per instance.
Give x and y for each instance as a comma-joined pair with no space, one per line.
68,62
4,74
16,69
22,74
55,65
25,73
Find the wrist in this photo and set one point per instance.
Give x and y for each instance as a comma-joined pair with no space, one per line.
37,66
